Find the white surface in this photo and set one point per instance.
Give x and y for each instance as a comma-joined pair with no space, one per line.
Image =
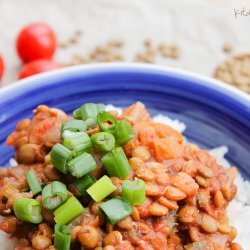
200,28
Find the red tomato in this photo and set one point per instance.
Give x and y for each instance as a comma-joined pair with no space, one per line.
37,66
36,41
1,67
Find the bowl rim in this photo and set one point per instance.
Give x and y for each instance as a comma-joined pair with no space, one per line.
196,78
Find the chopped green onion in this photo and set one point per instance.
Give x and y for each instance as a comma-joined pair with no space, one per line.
116,209
59,156
101,189
81,148
81,165
91,110
134,191
82,184
103,141
28,210
68,211
74,125
28,189
107,122
25,190
88,110
33,182
124,132
79,142
91,122
62,237
77,114
67,133
116,163
54,194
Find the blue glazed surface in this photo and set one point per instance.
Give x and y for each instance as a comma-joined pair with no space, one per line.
215,115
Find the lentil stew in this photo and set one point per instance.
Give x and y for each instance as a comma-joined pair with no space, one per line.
113,182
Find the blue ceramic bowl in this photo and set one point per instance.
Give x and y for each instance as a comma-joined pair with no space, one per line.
215,114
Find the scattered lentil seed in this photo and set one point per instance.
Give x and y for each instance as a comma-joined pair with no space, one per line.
115,43
235,70
166,50
227,47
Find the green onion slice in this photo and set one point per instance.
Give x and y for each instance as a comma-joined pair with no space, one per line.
28,210
59,156
88,110
54,194
116,209
28,189
91,122
81,165
103,141
62,237
77,114
33,182
78,143
82,184
74,125
68,211
101,189
116,163
134,191
91,110
107,122
25,190
124,132
67,133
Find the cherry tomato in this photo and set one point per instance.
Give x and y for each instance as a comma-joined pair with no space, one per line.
37,66
36,41
1,67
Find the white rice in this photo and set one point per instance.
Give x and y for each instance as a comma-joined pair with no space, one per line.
238,210
13,162
110,107
176,124
6,243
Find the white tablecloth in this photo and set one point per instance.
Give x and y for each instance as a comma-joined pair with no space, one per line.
199,27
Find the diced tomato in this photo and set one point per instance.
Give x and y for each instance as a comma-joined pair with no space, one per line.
167,148
163,131
136,113
146,136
